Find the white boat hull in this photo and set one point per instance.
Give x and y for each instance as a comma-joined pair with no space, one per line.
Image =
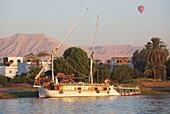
57,93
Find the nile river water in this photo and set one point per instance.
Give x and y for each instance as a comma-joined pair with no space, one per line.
143,104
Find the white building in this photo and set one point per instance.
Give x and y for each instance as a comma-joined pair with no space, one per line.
10,66
13,66
25,67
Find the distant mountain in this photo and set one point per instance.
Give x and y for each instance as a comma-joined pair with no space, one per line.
23,44
107,52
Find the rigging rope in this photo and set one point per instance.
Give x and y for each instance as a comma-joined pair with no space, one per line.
72,28
66,37
75,69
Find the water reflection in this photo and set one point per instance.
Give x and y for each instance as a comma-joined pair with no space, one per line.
87,105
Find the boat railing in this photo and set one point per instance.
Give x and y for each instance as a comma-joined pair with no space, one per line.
83,84
121,87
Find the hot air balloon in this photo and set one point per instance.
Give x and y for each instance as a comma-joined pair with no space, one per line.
141,9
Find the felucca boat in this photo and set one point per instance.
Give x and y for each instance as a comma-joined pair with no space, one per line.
58,89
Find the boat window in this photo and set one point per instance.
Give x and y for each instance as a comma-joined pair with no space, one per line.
18,61
10,71
11,61
105,88
79,88
28,60
95,88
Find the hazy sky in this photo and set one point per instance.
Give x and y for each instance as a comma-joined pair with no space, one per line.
120,21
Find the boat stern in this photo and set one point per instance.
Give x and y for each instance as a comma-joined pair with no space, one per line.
41,92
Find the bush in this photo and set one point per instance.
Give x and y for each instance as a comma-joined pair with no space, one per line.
3,80
19,79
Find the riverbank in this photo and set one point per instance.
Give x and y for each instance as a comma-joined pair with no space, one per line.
25,90
150,88
17,91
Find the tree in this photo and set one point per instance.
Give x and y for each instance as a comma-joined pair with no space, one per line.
121,73
151,70
137,74
96,71
151,59
3,80
36,58
162,72
36,63
157,54
32,73
19,79
168,67
61,66
104,73
109,61
74,61
139,60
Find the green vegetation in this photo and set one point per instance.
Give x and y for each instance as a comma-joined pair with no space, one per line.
78,59
35,59
149,92
36,65
7,96
19,95
18,90
3,80
151,60
104,73
123,73
168,68
139,60
153,91
149,63
18,79
24,94
74,61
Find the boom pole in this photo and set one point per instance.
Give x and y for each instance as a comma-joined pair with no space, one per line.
66,37
92,55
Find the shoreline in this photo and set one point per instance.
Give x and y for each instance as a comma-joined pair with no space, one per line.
18,91
34,94
151,88
155,91
28,91
25,94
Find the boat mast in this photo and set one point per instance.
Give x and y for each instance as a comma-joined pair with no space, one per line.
52,66
66,37
92,55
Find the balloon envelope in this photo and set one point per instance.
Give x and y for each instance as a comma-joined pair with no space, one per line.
141,9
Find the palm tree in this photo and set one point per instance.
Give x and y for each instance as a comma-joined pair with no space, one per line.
36,62
157,51
148,49
109,61
163,72
157,54
33,71
151,69
36,58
